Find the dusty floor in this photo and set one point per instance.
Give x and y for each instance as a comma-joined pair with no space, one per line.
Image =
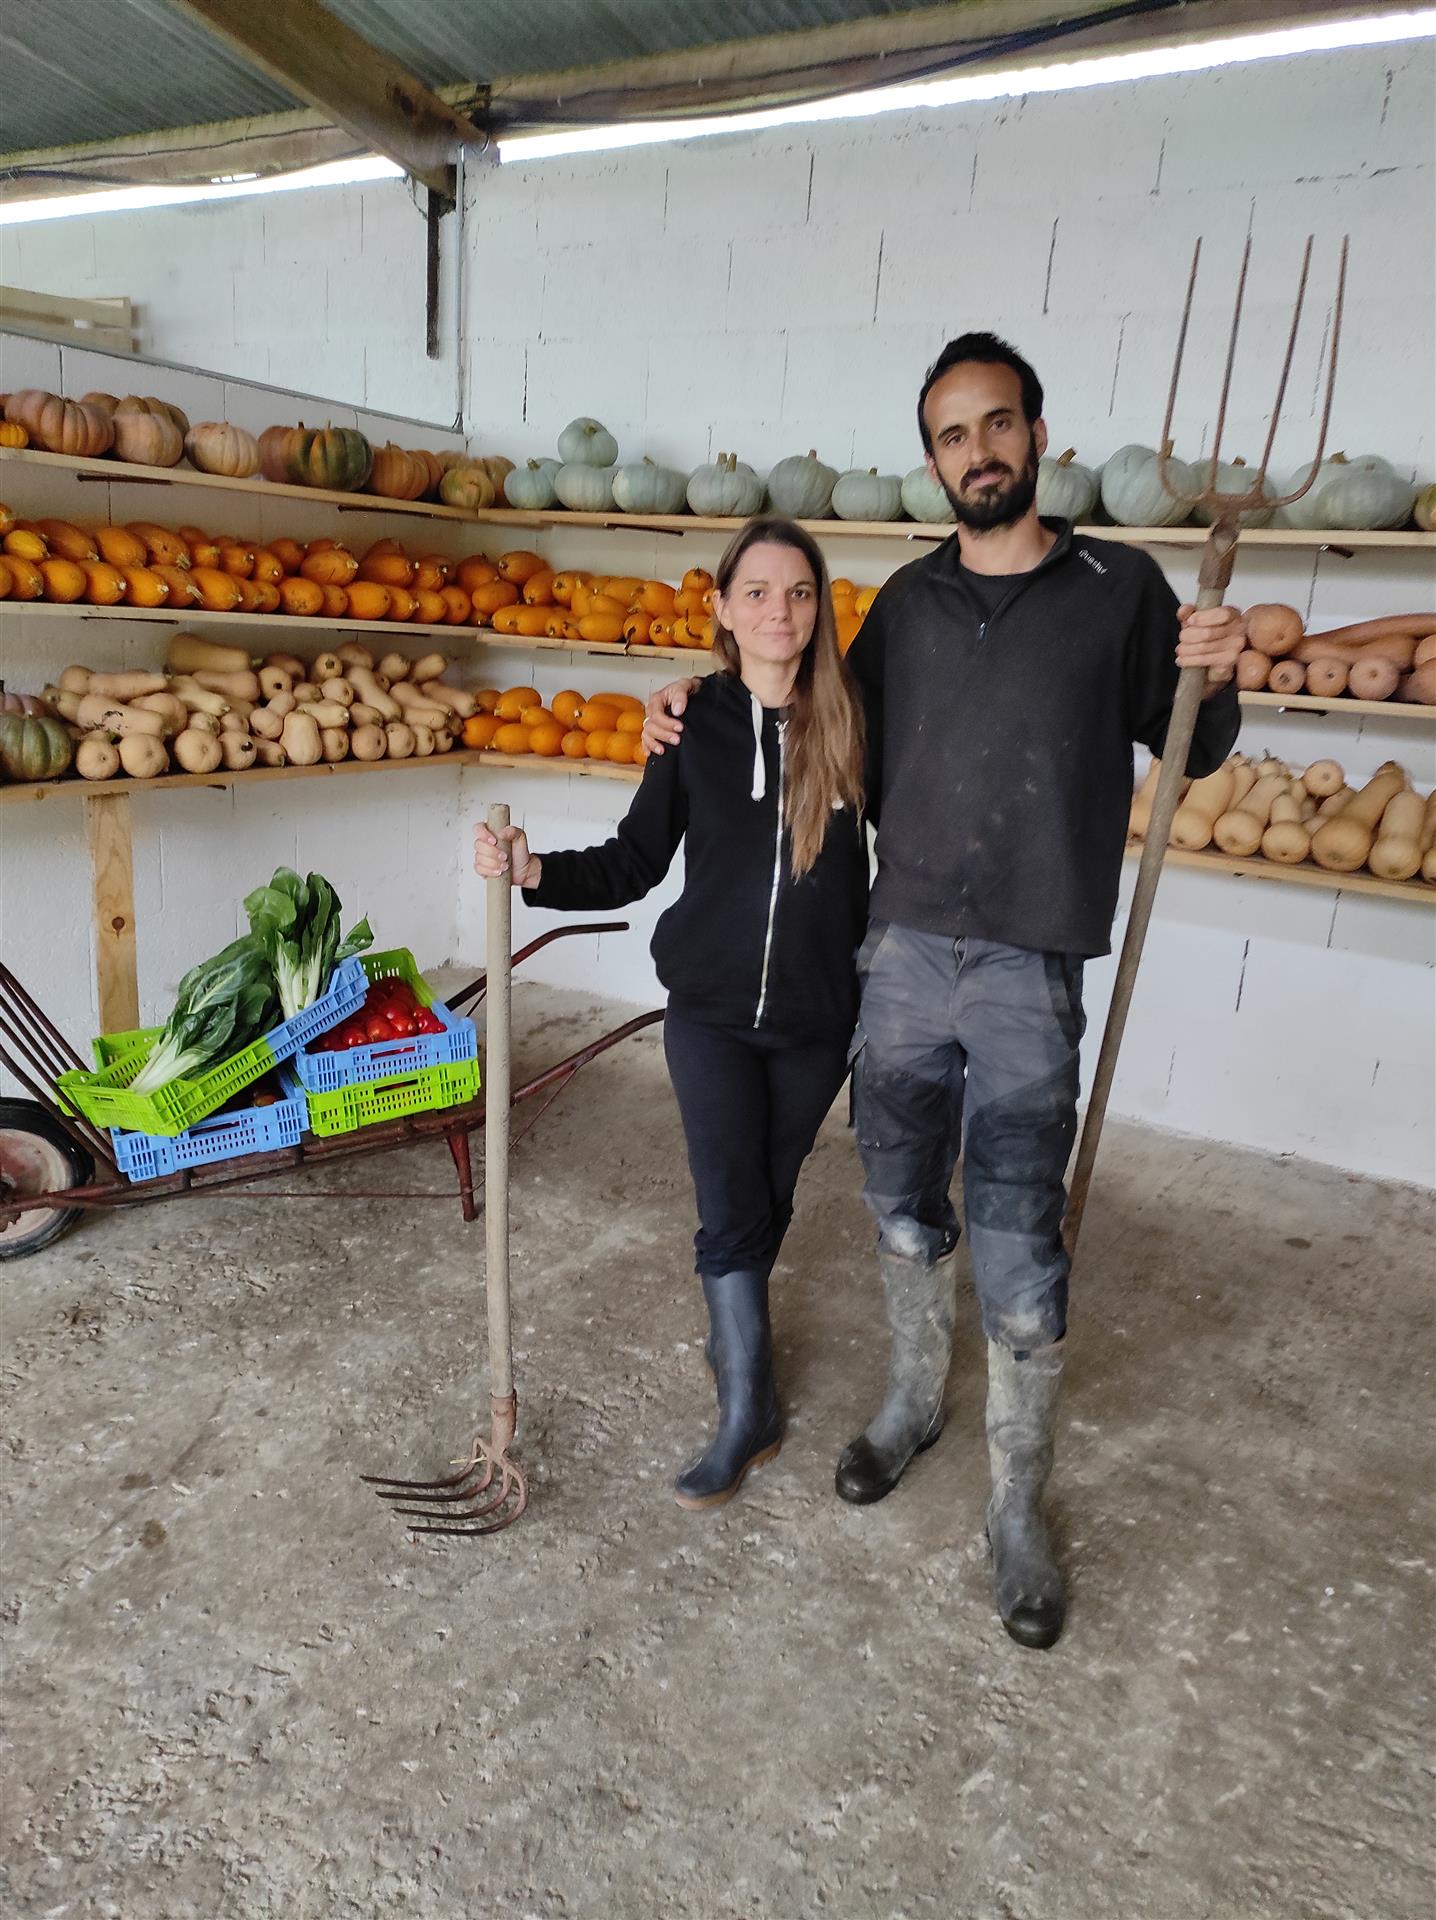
234,1687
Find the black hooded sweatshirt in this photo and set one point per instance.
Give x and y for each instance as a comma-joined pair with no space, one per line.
746,944
1000,742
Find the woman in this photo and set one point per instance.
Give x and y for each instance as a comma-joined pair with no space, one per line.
756,954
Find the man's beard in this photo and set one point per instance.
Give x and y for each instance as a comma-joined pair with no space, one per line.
999,504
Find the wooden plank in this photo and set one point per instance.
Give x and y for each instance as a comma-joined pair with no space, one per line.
1306,875
1411,540
1303,703
308,51
112,897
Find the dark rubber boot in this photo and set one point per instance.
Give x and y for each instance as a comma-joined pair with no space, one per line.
922,1305
750,1421
1021,1413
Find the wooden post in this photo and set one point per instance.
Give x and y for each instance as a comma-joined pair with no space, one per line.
112,893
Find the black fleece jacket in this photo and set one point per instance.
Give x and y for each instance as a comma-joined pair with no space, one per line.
746,944
1000,746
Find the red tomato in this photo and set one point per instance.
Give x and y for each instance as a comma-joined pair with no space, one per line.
426,1022
401,1025
376,1028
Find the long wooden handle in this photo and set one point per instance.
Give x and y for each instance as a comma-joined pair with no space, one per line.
498,1081
1215,575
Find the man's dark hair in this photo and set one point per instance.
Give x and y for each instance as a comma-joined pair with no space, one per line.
987,348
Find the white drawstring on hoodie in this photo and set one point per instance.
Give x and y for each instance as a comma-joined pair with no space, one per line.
760,771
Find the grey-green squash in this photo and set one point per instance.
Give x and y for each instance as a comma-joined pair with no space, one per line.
802,487
924,499
726,489
866,494
645,487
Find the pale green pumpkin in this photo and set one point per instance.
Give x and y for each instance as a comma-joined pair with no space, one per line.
868,495
646,487
802,487
583,488
1132,490
1065,488
530,486
587,443
727,489
924,499
1234,478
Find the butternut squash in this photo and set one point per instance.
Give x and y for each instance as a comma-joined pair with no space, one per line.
102,715
1286,840
1425,651
1273,630
334,743
143,757
1198,814
269,753
188,653
1373,679
1343,843
1252,671
97,758
1239,831
239,751
1419,687
300,739
289,663
234,686
1286,676
1334,802
1396,851
368,743
197,751
1326,679
126,686
1322,778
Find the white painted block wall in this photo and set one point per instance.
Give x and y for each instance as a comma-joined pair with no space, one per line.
775,292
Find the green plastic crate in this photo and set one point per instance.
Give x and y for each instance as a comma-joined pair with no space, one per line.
105,1098
423,1090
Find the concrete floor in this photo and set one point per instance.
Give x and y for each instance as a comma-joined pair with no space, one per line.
236,1688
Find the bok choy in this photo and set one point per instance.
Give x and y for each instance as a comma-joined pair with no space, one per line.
297,924
222,1006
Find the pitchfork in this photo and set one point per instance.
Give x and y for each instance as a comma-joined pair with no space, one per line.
489,1477
1218,556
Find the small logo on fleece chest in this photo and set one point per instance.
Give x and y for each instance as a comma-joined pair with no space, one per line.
1093,562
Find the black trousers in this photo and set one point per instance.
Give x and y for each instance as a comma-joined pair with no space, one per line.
751,1105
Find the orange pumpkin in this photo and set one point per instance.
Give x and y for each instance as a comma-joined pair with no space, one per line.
546,739
218,592
520,565
397,474
847,625
266,565
271,453
64,580
480,729
104,584
214,446
67,542
69,426
234,558
162,547
13,435
329,566
391,568
298,595
635,627
248,595
145,438
139,403
24,405
144,588
656,596
266,596
697,580
564,585
660,631
458,608
468,487
368,600
512,737
432,467
505,619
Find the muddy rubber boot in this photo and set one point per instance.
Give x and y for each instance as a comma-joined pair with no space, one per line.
922,1305
750,1421
1021,1412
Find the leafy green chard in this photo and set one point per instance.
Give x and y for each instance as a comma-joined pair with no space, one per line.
297,923
222,1006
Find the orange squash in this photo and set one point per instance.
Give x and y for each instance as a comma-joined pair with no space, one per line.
248,595
620,749
575,745
162,548
656,596
203,549
560,625
64,580
368,600
597,716
214,446
564,585
390,569
298,595
182,590
25,543
847,625
329,566
697,580
635,627
104,584
480,729
235,558
546,739
4,580
431,573
288,553
26,580
267,566
505,619
144,587
401,603
487,600
622,587
538,588
13,435
266,596
486,699
864,599
684,634
69,426
688,605
512,737
599,741
606,629
476,571
429,608
68,542
660,631
218,592
520,565
458,608
516,701
530,621
397,474
120,547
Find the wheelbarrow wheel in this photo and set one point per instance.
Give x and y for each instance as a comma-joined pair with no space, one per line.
37,1156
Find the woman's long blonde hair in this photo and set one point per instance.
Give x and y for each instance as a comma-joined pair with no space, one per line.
825,729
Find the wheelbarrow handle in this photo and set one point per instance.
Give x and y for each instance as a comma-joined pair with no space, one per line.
498,1081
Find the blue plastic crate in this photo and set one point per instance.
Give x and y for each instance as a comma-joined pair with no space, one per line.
148,1156
359,1066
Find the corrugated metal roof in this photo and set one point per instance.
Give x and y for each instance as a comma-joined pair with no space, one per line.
77,71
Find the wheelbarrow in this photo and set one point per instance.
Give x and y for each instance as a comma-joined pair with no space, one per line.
56,1167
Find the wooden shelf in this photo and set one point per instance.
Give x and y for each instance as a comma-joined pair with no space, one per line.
35,791
280,623
1311,703
1308,874
119,471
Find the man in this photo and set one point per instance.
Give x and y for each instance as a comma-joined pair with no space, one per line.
1005,675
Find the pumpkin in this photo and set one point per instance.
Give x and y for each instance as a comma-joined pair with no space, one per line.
1234,478
476,571
431,572
146,439
104,584
584,489
1361,493
467,486
13,435
24,703
107,402
336,603
435,471
867,495
214,446
26,580
146,403
33,747
120,547
24,405
429,607
288,553
336,458
530,487
1066,489
587,443
924,499
649,488
218,592
267,568
387,563
182,590
498,467
802,487
1423,509
728,489
234,558
458,608
68,426
271,452
397,474
1133,494
67,541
